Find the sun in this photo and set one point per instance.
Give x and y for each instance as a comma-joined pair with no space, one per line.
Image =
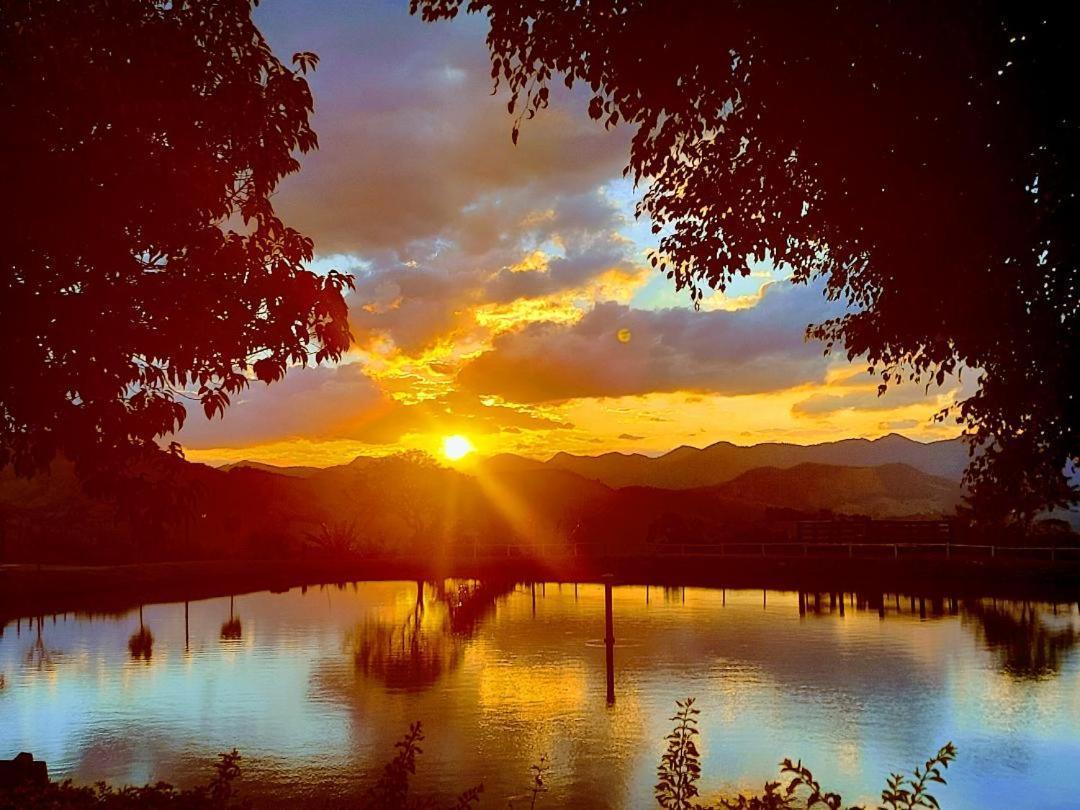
456,447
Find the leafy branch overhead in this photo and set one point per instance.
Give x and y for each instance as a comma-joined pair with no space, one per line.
921,159
144,264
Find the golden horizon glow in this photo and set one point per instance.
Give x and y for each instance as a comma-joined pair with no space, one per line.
456,447
416,401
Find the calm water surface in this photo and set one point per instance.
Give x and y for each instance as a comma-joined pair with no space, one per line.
313,686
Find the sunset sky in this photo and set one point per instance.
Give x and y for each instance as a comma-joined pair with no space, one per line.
502,292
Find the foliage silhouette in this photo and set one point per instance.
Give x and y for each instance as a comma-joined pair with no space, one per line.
680,770
336,538
680,764
539,771
678,774
219,793
143,262
391,792
922,160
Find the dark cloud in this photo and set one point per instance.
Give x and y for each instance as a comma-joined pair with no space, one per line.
333,403
748,351
412,143
313,403
865,397
900,424
417,301
825,404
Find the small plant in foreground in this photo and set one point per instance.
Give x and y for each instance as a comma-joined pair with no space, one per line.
915,794
676,789
391,792
680,765
680,770
539,770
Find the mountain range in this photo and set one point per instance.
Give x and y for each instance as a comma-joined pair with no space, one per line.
691,467
411,504
888,477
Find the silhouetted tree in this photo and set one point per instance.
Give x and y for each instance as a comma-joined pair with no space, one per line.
920,157
414,486
141,259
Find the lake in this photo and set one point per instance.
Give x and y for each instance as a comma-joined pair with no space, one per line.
313,686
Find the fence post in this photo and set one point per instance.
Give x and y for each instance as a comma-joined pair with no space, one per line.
993,551
762,549
896,551
850,550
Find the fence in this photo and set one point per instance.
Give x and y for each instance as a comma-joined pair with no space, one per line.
788,550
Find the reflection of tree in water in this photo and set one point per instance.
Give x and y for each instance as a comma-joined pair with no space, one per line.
39,656
233,629
414,652
469,604
1025,643
141,643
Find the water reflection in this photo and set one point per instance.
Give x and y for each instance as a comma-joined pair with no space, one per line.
38,657
141,642
857,684
1030,641
233,628
413,651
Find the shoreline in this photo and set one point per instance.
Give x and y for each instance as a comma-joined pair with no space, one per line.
30,590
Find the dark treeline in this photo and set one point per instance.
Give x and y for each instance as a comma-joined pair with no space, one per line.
408,507
404,506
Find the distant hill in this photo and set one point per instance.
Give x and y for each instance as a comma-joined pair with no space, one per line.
688,467
414,505
884,491
691,467
294,472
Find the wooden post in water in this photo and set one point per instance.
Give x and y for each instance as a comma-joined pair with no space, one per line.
802,603
609,640
187,638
